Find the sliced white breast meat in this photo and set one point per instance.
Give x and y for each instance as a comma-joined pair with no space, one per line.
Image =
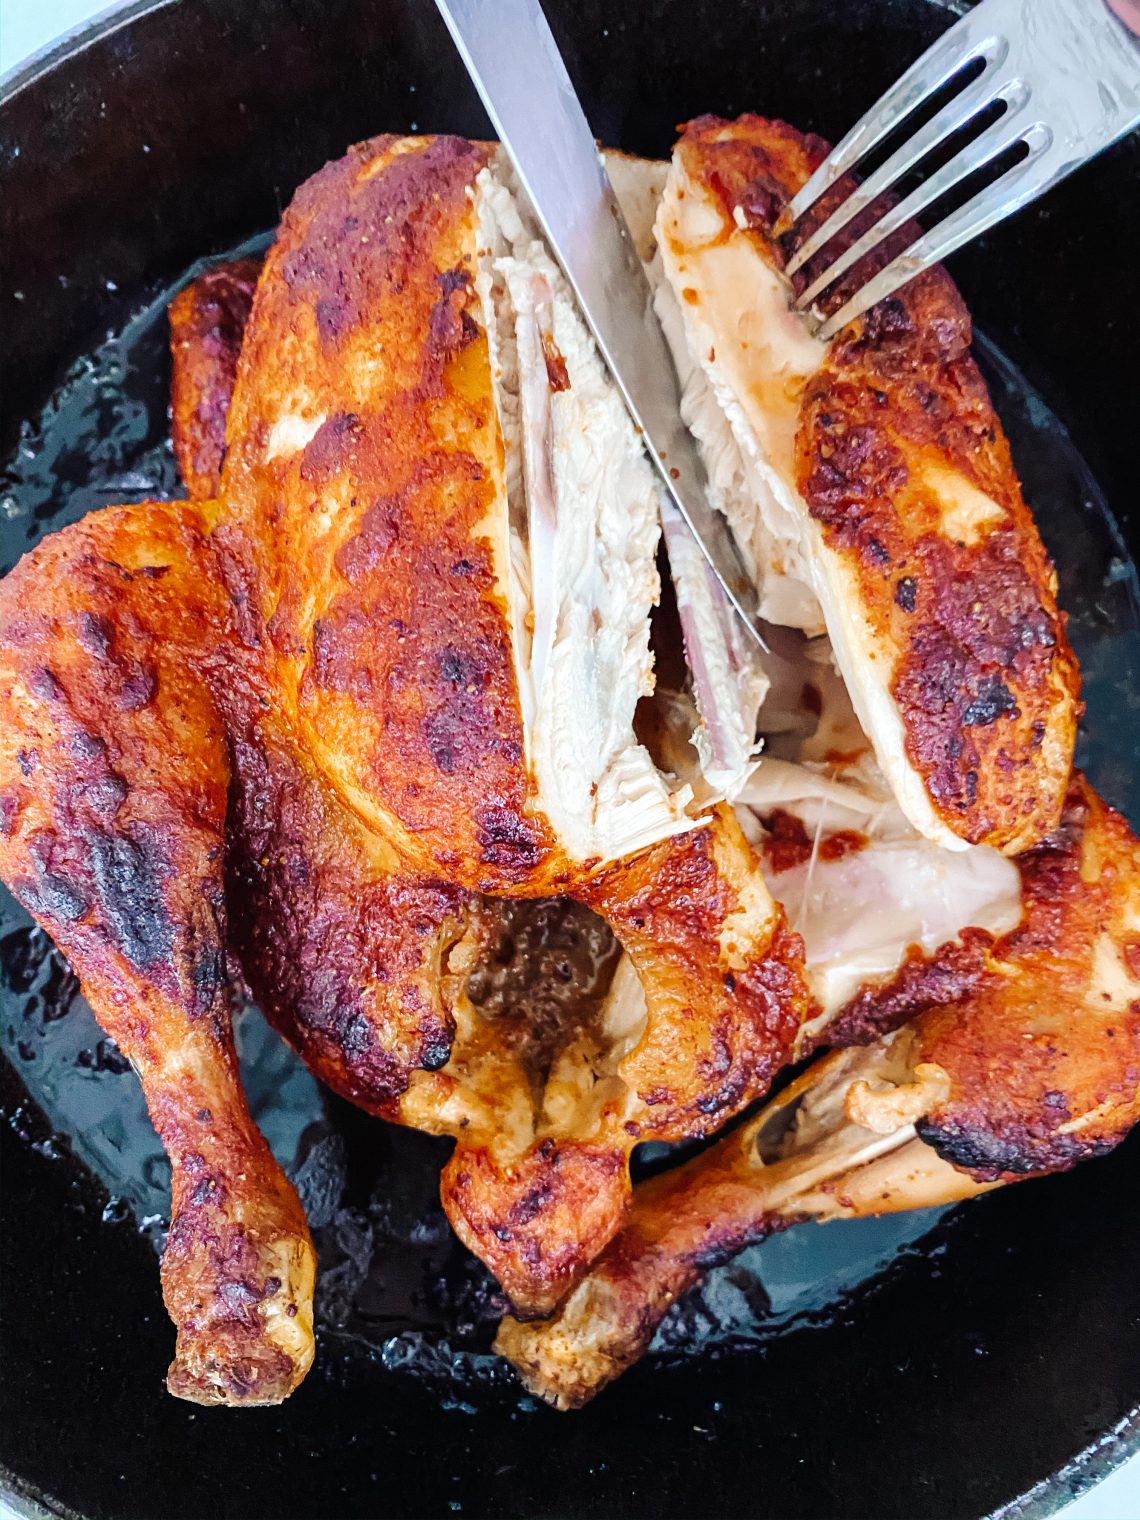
730,678
583,531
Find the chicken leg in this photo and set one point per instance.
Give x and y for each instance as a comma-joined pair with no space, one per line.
113,781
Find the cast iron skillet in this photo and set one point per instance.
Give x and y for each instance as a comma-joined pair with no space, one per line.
1000,1373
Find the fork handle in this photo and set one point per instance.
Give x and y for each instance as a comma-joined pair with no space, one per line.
1127,11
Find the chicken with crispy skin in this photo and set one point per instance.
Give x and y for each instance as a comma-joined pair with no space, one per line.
870,487
1031,1070
386,522
393,671
412,616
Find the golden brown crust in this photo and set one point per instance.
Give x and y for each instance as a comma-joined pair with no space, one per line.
903,464
365,383
113,780
340,947
1044,1058
725,1004
539,1221
207,320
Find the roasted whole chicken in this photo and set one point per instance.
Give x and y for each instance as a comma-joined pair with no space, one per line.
371,691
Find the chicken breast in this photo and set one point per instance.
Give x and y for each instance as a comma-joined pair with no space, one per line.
584,524
873,473
730,679
519,494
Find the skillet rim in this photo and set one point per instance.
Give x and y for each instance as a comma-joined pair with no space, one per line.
1103,1455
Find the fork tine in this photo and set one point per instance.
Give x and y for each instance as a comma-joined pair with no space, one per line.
992,143
964,41
990,205
981,93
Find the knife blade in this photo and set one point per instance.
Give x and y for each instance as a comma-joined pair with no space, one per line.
515,65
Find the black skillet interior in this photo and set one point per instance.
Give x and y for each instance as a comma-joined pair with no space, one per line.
1004,1363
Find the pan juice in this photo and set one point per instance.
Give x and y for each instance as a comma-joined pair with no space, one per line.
394,1284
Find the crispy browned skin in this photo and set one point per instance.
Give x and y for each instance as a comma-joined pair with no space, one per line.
341,950
673,908
921,982
382,609
1035,1068
1044,1064
683,1223
962,613
207,320
367,731
113,779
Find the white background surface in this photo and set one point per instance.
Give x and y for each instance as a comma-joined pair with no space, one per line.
26,25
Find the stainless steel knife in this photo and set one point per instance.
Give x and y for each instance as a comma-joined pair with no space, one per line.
517,68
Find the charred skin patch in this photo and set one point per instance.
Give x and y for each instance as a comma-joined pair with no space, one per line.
1010,1151
129,870
330,449
733,1017
902,464
207,322
338,954
954,971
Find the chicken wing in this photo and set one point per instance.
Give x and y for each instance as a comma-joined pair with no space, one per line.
1034,1069
870,486
207,323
